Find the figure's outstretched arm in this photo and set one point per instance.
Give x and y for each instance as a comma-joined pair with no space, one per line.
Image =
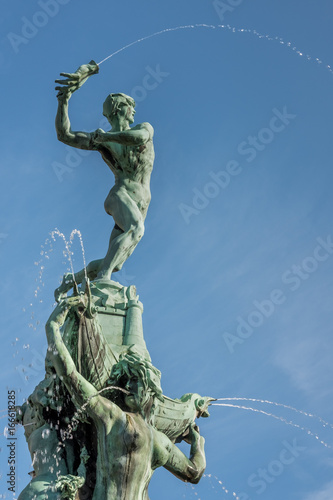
71,83
188,469
83,392
132,137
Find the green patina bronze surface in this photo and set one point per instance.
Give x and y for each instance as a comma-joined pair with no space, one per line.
98,425
128,152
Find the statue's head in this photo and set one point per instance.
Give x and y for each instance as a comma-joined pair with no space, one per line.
142,381
117,105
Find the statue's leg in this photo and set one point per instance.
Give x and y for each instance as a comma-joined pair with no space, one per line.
115,233
129,220
68,279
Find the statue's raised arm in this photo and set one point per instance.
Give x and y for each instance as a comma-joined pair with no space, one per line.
71,83
80,389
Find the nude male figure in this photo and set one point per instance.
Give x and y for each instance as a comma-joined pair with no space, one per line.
129,153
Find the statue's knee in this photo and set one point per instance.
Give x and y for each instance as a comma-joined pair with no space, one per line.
138,231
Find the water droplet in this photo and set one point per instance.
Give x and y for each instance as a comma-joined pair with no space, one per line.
45,433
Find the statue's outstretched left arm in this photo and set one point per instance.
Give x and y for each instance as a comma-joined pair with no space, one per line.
188,469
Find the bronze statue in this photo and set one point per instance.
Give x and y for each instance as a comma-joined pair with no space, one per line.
99,424
129,153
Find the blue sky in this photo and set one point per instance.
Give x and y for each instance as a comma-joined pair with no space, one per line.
239,230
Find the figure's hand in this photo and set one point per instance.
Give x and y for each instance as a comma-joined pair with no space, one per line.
192,434
99,136
73,81
77,302
67,283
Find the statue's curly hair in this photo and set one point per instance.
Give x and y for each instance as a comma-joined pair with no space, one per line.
130,365
111,103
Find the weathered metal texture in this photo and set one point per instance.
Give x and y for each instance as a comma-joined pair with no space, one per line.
101,405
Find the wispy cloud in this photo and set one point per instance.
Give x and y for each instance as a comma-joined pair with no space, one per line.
324,494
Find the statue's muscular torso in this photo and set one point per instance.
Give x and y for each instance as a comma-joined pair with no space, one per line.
129,450
132,166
